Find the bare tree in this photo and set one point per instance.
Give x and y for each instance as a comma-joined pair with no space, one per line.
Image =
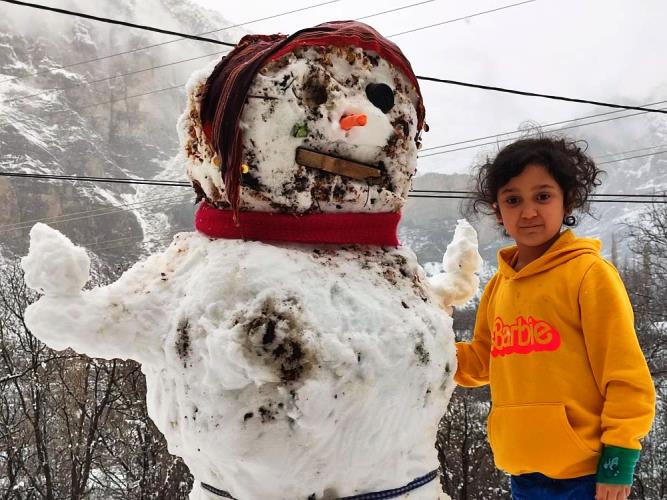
71,426
464,452
645,277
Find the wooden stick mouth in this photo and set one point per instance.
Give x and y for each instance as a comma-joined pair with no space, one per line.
335,165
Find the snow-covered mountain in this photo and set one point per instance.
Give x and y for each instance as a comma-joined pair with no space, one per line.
427,225
125,127
116,127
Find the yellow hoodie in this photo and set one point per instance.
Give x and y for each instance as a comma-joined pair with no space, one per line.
556,341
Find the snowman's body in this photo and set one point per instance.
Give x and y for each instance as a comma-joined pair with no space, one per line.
275,371
278,370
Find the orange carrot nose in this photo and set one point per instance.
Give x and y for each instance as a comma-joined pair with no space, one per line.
349,121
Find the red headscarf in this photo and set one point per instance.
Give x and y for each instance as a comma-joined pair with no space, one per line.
227,87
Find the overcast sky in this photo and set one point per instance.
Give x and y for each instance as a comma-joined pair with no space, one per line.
604,50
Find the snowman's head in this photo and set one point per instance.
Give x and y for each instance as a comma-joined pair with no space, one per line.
324,121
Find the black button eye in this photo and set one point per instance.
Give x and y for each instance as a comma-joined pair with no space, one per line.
381,95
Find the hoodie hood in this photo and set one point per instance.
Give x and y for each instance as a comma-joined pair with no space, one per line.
565,248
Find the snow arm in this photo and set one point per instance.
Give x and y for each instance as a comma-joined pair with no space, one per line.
461,263
121,320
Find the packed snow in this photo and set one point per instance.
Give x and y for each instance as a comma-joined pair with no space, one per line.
313,88
461,265
69,265
269,367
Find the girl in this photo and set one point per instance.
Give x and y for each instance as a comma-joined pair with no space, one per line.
554,335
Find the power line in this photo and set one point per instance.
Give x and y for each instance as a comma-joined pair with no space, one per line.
62,89
620,200
17,225
425,78
616,195
120,23
158,240
183,60
104,245
392,10
514,138
633,157
632,150
460,18
95,246
171,41
534,94
90,214
437,194
169,183
174,200
545,125
180,86
113,180
92,245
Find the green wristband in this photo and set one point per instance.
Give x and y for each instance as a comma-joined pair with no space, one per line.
617,465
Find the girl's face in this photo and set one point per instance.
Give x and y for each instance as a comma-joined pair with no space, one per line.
531,208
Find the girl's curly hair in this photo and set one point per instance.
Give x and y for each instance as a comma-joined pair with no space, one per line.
574,171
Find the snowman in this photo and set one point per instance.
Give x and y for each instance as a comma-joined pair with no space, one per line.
292,348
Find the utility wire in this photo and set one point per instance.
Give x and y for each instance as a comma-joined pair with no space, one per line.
621,200
466,141
171,41
616,195
89,214
514,138
632,150
534,94
180,86
174,183
91,245
425,78
96,246
62,89
437,194
11,226
147,242
183,60
113,180
46,91
498,141
121,23
183,184
392,10
460,18
177,200
633,157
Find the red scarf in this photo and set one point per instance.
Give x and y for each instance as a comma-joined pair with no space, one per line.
328,228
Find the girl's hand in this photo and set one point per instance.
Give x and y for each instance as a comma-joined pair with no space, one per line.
611,491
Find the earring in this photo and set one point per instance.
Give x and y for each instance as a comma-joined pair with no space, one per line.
499,218
569,220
